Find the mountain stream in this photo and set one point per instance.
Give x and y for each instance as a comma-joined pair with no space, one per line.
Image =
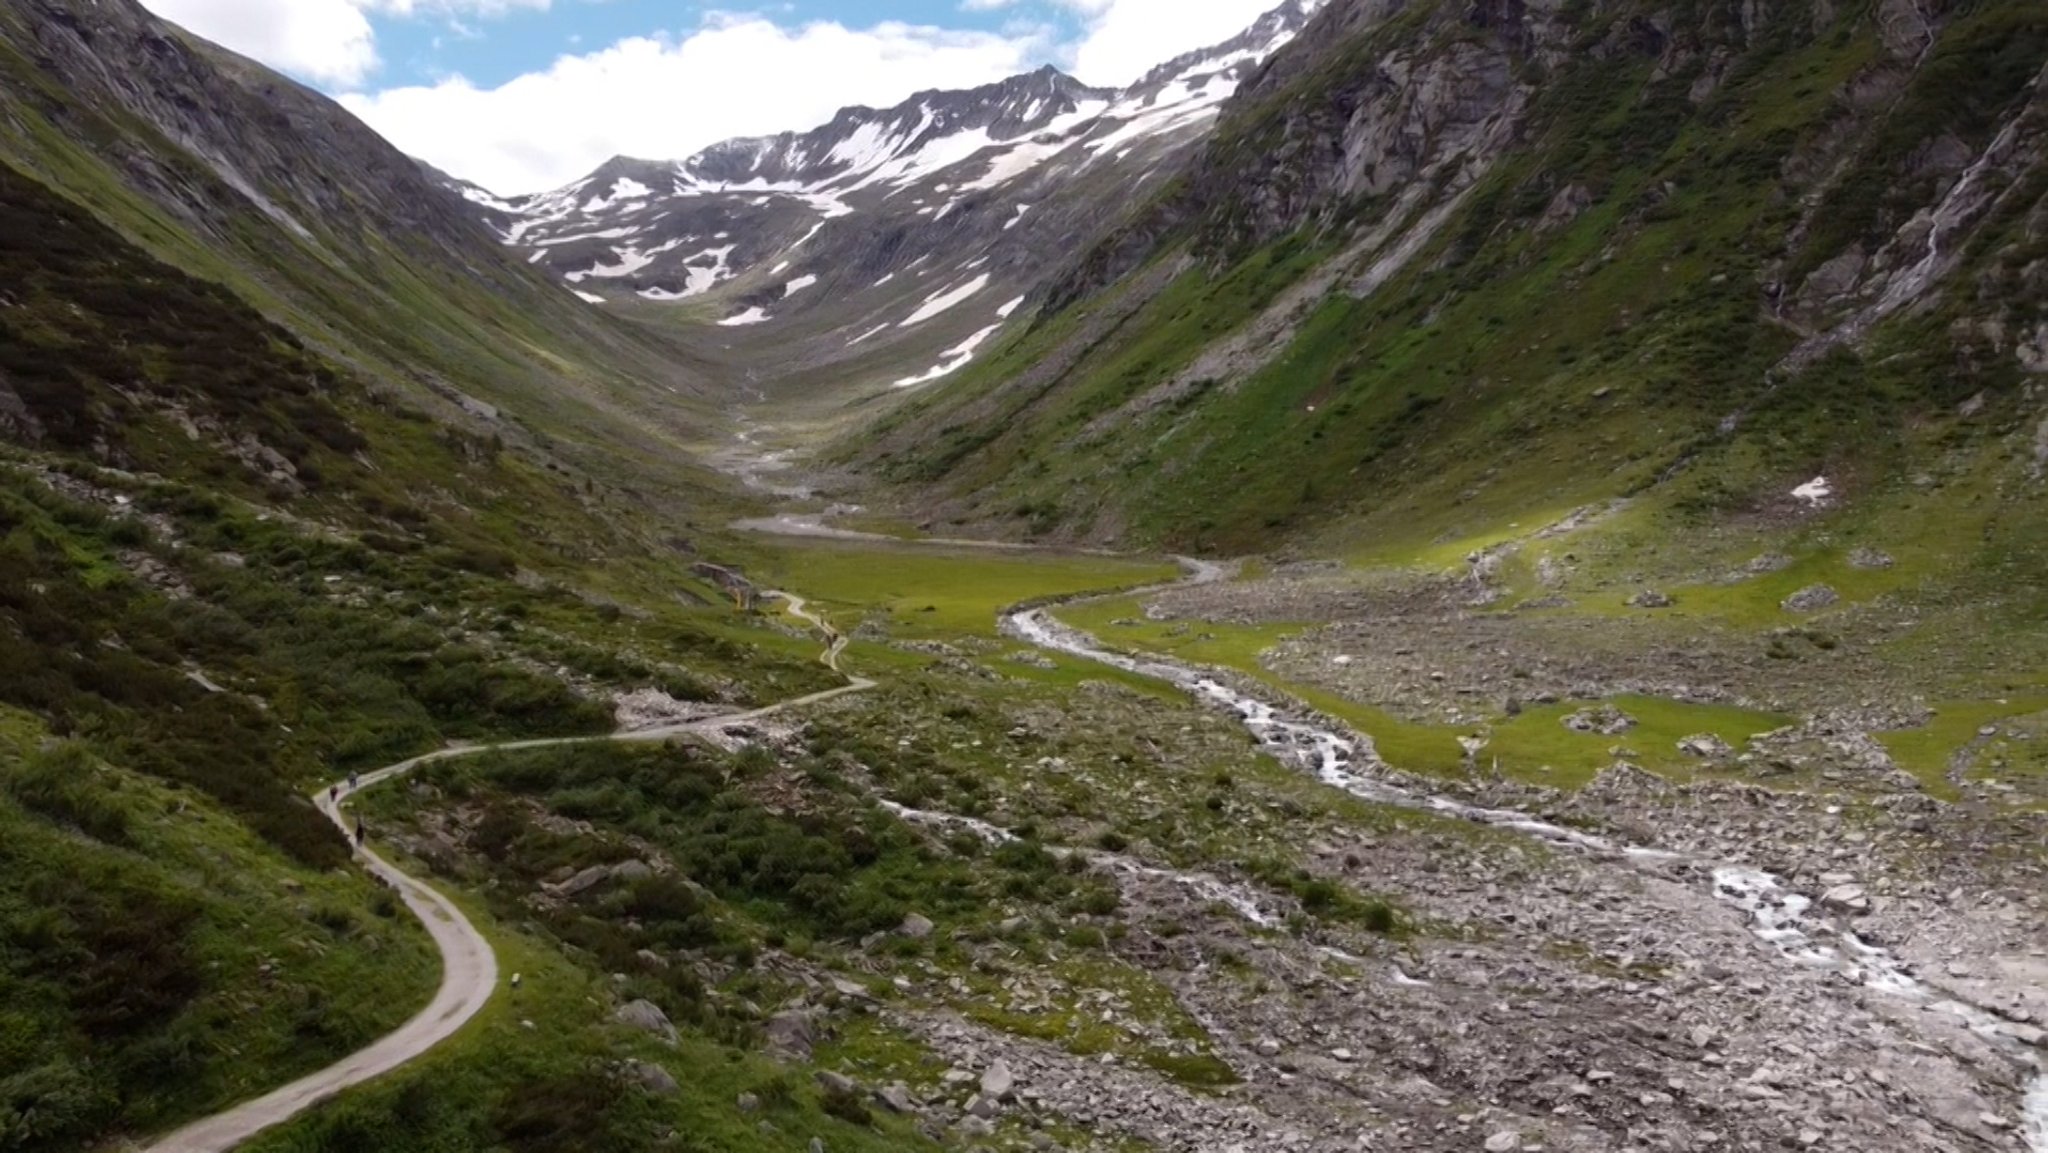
1777,915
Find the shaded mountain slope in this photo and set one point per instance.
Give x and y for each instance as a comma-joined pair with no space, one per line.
226,169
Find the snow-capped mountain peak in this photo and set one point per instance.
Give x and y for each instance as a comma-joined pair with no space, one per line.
944,200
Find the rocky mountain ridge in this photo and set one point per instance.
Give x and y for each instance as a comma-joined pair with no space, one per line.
849,237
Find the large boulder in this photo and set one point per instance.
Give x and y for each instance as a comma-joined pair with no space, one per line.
896,1098
584,881
1849,899
1811,599
653,1078
1706,746
997,1081
792,1034
647,1017
632,871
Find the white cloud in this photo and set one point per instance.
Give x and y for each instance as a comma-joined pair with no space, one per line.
665,99
326,41
1126,38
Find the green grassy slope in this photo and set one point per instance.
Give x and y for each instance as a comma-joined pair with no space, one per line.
145,927
1526,362
221,168
213,630
252,537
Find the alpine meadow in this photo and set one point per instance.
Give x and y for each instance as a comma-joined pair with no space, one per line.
1436,575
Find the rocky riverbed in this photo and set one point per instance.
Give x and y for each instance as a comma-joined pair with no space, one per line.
1731,1005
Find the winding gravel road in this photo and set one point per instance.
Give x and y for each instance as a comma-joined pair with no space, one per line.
469,969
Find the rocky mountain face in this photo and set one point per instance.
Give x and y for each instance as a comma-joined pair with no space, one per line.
1426,233
862,237
264,141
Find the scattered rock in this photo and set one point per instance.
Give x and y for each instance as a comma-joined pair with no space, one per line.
1651,599
584,881
896,1098
1811,599
1846,899
1870,558
792,1034
748,1103
851,990
917,927
1503,1142
1606,720
1706,746
653,1078
998,1081
647,1017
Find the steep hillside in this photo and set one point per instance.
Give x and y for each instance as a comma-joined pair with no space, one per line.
888,245
1634,735
1442,267
299,474
221,167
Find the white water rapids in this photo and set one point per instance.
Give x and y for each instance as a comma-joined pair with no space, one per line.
1776,915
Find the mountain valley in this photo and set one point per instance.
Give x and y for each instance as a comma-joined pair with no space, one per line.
1433,576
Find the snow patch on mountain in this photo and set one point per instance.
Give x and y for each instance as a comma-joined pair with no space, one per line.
946,180
953,359
944,301
631,260
698,276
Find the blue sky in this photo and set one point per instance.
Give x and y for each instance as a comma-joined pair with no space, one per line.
526,95
490,51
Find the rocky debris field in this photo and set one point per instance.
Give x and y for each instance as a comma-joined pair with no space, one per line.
1535,992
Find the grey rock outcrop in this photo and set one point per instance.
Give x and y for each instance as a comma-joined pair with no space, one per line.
647,1017
653,1078
1812,599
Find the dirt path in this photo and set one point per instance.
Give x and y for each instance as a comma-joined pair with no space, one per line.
469,968
800,609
